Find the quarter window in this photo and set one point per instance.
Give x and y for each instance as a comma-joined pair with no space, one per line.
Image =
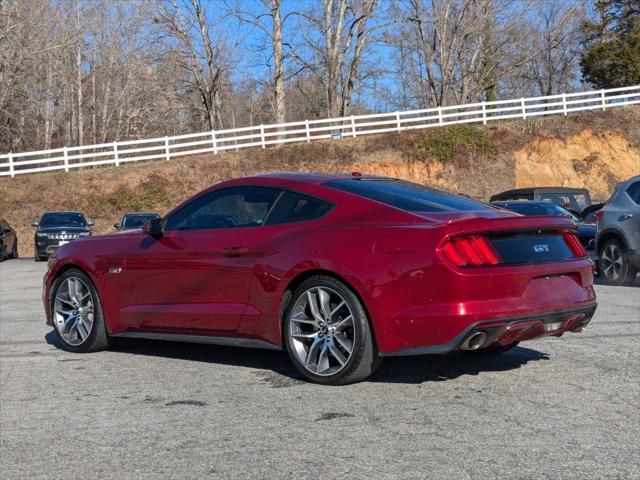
633,191
228,208
295,207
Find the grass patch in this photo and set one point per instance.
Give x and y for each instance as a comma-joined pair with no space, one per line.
446,142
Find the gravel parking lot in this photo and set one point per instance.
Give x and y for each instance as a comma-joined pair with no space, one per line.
556,408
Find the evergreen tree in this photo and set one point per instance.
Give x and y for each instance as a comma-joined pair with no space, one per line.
611,56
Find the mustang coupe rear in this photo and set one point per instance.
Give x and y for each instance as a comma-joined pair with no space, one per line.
339,271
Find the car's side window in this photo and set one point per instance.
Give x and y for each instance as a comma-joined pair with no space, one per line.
633,191
228,208
295,207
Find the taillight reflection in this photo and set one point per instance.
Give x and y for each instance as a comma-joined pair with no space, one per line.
473,250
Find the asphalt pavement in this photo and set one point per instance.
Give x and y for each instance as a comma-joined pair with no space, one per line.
553,408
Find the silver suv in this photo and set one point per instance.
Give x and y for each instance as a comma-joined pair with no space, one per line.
618,238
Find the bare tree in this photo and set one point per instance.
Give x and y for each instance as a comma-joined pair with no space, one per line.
187,29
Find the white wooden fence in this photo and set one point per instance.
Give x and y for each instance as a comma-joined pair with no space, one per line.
217,141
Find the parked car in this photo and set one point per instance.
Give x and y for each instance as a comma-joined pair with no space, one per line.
56,229
586,232
339,271
576,200
618,238
134,220
8,241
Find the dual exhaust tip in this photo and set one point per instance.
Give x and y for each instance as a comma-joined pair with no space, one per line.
474,341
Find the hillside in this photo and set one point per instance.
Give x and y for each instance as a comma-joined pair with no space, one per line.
593,150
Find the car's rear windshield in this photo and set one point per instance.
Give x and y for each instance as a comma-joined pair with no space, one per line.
532,208
63,219
407,196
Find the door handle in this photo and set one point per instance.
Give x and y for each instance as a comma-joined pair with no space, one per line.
625,216
234,251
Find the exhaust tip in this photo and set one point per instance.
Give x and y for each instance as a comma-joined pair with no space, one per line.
474,341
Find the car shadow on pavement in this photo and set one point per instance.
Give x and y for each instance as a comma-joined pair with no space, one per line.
279,371
438,368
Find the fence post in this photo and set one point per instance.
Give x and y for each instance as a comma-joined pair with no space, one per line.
166,148
440,115
564,104
262,135
11,171
484,113
353,126
603,100
524,109
398,121
306,126
66,159
115,153
214,142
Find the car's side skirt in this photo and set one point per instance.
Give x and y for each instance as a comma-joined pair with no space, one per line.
210,340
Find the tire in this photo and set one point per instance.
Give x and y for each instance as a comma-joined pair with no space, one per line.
334,346
3,254
37,257
14,250
72,294
495,349
615,264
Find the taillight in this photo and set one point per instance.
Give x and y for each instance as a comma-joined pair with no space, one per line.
473,250
598,215
574,244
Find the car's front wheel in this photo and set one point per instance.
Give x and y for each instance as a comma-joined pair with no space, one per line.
615,265
77,313
327,333
14,250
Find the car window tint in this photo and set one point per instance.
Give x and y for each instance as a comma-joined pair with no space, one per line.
407,196
63,219
295,207
634,192
229,208
575,201
136,221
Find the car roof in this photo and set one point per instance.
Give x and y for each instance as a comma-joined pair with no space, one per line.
62,211
140,213
530,190
311,177
522,202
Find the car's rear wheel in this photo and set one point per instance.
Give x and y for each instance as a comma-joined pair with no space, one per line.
615,265
77,313
327,333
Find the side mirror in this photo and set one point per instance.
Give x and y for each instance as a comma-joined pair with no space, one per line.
153,227
34,223
91,223
116,226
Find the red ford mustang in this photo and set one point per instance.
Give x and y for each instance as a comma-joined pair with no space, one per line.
338,270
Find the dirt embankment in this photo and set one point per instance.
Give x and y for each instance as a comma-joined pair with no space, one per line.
594,150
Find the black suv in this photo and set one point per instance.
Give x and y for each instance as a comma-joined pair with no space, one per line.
57,228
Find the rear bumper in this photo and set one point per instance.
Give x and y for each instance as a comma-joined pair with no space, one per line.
505,331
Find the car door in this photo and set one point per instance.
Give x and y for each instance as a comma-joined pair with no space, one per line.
196,277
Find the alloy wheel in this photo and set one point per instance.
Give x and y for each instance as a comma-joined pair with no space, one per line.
73,310
322,331
612,262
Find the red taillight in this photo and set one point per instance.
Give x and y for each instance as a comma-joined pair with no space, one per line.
598,215
473,250
574,244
